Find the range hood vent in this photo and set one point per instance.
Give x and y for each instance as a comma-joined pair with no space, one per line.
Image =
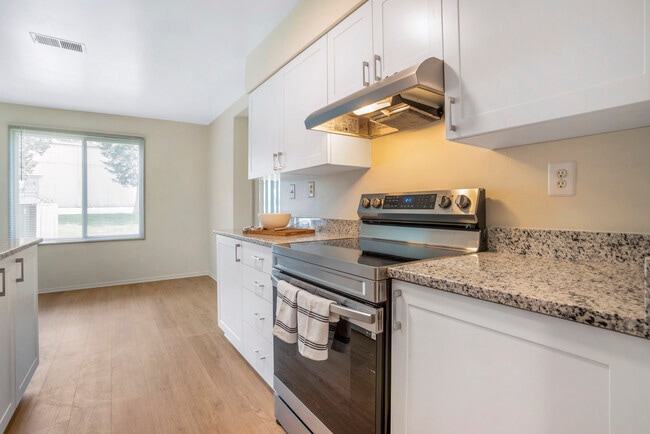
57,42
408,99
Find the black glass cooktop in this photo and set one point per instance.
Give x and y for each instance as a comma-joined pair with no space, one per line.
352,254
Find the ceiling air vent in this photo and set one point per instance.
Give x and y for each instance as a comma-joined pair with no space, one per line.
57,42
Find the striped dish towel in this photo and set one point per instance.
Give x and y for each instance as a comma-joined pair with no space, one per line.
314,317
286,327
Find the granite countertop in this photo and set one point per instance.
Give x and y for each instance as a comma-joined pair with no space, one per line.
269,240
12,246
610,295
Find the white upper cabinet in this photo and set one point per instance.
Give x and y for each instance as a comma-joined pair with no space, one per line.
265,127
526,72
350,54
381,38
405,32
278,138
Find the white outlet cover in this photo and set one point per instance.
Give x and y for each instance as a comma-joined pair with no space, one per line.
553,188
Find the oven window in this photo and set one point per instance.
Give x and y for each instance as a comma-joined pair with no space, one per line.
341,391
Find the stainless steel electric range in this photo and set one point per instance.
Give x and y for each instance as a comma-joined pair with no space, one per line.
350,391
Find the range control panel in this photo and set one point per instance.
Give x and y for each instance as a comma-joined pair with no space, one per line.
445,206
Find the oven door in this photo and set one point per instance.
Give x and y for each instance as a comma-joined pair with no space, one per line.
345,393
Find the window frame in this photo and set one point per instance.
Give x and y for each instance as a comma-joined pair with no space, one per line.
14,169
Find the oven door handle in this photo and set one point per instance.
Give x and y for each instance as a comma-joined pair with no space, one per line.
368,318
374,320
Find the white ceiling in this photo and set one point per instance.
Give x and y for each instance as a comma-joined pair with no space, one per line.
180,60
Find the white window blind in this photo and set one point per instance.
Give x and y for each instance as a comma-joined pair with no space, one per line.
67,186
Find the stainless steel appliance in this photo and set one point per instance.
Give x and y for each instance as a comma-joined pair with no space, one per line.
349,392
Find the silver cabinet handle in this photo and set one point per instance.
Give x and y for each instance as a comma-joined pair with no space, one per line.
3,293
257,284
258,316
366,73
280,166
397,325
21,261
256,258
237,258
275,161
452,100
378,72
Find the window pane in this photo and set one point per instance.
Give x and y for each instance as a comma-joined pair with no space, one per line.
113,179
67,186
50,186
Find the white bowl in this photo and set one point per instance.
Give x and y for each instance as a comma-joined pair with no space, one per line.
274,221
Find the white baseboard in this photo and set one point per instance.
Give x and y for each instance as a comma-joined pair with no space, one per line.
124,282
212,276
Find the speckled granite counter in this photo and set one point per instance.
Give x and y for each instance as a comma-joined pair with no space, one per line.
607,294
12,246
326,229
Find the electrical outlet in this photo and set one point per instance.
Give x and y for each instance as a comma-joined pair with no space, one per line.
312,188
562,179
292,191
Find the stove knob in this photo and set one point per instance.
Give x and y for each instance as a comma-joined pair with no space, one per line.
463,201
365,202
444,202
376,202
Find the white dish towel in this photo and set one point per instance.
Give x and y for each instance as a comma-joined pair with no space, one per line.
286,327
314,317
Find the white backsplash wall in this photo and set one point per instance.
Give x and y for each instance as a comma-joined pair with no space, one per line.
612,188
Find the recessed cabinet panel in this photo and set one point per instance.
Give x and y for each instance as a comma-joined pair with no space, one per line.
7,375
349,46
513,64
466,365
265,125
405,33
26,318
229,289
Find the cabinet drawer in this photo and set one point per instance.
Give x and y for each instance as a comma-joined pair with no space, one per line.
259,353
258,282
258,313
256,256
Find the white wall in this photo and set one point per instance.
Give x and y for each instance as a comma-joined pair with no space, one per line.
177,228
613,180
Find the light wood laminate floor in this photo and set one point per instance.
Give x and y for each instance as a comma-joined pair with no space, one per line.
141,358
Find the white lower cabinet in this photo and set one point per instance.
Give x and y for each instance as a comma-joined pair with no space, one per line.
461,365
7,375
229,291
245,294
19,354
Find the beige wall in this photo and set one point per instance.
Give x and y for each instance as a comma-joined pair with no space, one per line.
309,20
230,192
613,180
176,204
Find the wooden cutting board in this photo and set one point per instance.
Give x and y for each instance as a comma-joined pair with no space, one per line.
279,232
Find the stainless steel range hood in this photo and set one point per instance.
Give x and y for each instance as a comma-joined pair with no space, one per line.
405,100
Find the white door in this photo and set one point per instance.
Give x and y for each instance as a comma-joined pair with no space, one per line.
229,290
511,64
7,383
305,90
265,124
462,365
349,47
405,33
26,318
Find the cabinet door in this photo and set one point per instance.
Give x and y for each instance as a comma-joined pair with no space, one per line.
305,90
229,290
405,32
26,318
349,47
265,127
462,365
528,72
7,373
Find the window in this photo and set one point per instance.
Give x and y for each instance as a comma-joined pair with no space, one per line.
71,186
